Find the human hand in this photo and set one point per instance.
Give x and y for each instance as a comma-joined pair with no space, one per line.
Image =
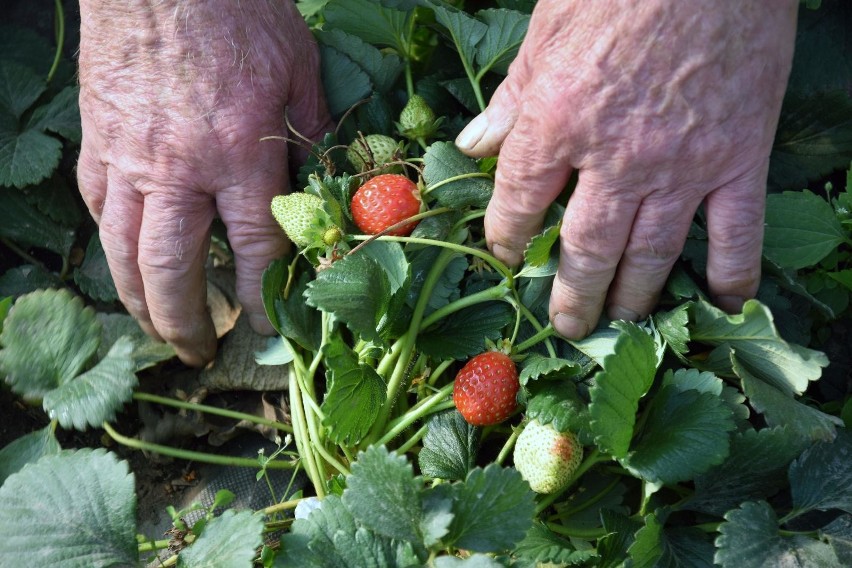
174,98
659,106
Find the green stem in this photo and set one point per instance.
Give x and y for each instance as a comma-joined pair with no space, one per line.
591,460
302,436
21,252
152,545
507,447
60,38
278,507
439,370
190,455
567,513
479,253
452,179
497,292
411,442
404,222
421,409
165,401
585,534
544,333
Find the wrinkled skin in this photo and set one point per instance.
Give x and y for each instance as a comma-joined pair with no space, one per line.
660,106
175,97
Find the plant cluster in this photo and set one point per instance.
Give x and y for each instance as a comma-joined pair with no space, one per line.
439,418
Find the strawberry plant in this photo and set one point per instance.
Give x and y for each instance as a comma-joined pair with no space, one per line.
438,417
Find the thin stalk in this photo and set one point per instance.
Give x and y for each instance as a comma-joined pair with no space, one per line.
538,327
544,333
165,401
302,436
190,455
497,292
278,507
411,442
404,222
152,545
21,252
585,534
421,409
439,370
507,447
59,30
567,513
452,179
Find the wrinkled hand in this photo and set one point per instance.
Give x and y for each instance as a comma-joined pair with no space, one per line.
175,97
660,106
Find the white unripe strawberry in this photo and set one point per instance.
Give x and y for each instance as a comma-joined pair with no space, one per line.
545,457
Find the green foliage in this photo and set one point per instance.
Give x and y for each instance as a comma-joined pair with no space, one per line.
449,447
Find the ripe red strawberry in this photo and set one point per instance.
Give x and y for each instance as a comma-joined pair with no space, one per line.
485,389
546,457
383,201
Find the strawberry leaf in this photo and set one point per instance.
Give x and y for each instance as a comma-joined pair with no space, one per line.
627,374
230,539
370,21
96,524
684,434
449,447
465,30
24,224
382,68
542,546
493,510
446,288
344,81
750,537
29,448
463,333
93,276
779,408
444,161
27,278
383,495
801,229
557,402
61,115
647,547
291,316
821,478
755,469
355,394
757,344
499,46
147,351
21,87
356,290
538,366
838,534
672,326
541,258
48,337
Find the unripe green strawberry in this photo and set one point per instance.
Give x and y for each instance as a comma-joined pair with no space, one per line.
545,457
372,151
417,119
297,214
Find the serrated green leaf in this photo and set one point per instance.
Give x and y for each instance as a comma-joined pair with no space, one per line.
356,290
370,21
449,447
28,227
344,82
25,46
684,434
95,396
594,495
750,539
47,338
559,404
542,546
693,379
291,316
499,46
821,61
147,351
382,68
437,514
620,531
686,548
445,289
442,161
801,229
647,547
813,138
463,333
61,115
780,409
355,394
383,494
821,478
540,258
757,344
228,540
311,541
20,87
91,501
537,366
29,448
672,325
392,260
465,30
838,533
493,509
93,276
27,278
626,377
27,157
56,199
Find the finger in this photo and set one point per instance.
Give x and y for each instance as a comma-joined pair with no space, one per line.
655,243
120,221
594,235
255,238
735,232
484,135
92,180
532,171
173,246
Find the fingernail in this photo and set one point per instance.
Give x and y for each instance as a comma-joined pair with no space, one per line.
507,255
731,304
472,133
570,327
621,313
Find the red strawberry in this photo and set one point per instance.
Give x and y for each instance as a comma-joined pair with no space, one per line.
485,389
383,201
